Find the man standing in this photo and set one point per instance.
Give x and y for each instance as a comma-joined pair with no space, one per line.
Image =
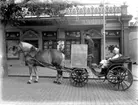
90,43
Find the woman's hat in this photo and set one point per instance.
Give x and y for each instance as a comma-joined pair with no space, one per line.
116,49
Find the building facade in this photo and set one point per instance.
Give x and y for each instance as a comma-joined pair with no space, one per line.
44,33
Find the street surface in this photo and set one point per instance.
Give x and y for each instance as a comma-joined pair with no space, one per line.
16,91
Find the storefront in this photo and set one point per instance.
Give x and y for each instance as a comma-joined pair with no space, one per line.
45,33
49,39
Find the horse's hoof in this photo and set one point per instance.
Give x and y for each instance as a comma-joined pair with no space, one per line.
59,83
54,81
35,81
28,82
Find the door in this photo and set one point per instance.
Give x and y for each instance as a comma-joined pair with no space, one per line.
33,42
97,51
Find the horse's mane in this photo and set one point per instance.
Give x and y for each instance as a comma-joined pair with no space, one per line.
27,44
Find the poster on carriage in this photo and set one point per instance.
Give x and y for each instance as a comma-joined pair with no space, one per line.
79,55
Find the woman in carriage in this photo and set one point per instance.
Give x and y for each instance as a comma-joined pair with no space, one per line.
104,63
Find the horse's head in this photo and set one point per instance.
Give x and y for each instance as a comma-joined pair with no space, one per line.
23,47
16,49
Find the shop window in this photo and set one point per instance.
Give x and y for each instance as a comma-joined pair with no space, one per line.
49,39
49,44
68,47
12,39
72,37
110,44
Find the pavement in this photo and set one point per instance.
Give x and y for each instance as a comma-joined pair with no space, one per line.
16,91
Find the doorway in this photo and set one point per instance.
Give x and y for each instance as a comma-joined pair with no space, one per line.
97,51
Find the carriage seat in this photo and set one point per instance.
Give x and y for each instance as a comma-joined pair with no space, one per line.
122,59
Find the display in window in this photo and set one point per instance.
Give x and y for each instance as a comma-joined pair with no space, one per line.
110,44
50,44
12,45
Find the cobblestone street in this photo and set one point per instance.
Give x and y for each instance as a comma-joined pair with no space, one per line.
15,91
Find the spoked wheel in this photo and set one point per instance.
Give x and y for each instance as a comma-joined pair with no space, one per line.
79,77
120,77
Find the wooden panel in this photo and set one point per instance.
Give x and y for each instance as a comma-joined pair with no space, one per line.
68,44
79,55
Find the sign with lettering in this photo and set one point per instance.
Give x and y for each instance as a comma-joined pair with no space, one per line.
73,34
79,55
86,22
49,34
12,35
113,32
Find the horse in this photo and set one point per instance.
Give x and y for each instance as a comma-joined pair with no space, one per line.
44,58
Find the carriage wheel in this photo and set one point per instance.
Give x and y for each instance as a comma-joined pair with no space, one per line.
120,77
79,77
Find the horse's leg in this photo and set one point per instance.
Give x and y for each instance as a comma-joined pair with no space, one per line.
31,76
60,76
36,74
56,80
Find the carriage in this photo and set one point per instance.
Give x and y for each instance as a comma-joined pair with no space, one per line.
118,72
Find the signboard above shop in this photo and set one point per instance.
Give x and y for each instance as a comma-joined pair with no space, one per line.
49,34
87,21
12,35
73,34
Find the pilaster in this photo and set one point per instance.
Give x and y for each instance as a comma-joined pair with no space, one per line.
126,41
3,59
82,36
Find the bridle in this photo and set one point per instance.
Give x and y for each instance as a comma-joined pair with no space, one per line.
25,53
